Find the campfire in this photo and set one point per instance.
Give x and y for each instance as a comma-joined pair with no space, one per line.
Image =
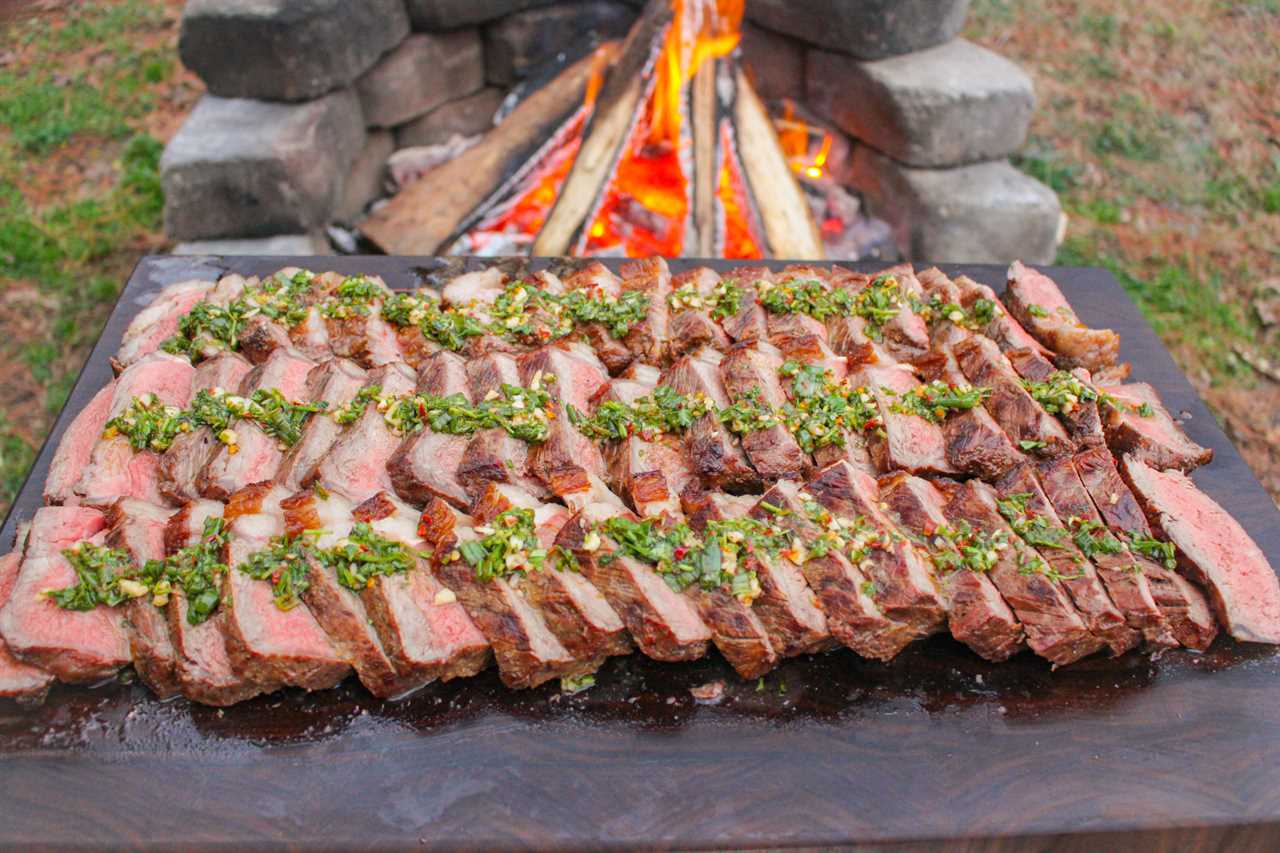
655,145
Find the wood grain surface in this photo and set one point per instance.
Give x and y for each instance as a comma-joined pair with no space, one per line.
937,748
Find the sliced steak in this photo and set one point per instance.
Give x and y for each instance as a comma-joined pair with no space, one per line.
1012,406
1082,417
1003,328
493,455
202,665
906,335
79,646
839,587
1181,602
181,464
366,339
21,681
260,337
812,349
751,322
577,376
1141,427
664,624
1212,548
650,339
975,442
356,464
427,464
692,326
976,613
267,645
750,371
1121,574
598,282
152,325
650,475
714,452
335,382
1054,628
76,447
1035,300
468,289
904,586
138,529
310,336
1079,576
909,443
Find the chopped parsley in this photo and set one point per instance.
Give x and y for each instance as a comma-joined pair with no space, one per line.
934,400
284,563
959,546
664,411
878,303
724,301
197,569
1030,444
1063,391
509,545
1034,529
853,537
1093,538
149,424
354,297
1037,310
713,561
749,413
1145,411
1153,549
447,327
617,315
523,412
363,555
105,576
571,684
821,409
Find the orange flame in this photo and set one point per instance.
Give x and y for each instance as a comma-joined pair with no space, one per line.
701,30
796,137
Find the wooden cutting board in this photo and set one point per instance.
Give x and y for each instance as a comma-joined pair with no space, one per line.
937,746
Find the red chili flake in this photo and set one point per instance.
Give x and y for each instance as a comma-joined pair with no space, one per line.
422,529
680,552
275,576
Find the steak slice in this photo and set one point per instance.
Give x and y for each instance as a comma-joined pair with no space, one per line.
575,611
341,611
493,455
336,382
481,286
427,464
75,449
812,349
425,631
976,614
1079,576
367,339
716,456
1010,404
77,646
691,325
356,464
138,529
578,376
21,681
1181,602
1083,420
906,335
1121,574
650,475
975,444
752,369
650,339
152,325
1141,427
267,645
1212,548
181,464
839,588
261,337
751,322
664,624
528,653
1054,629
1035,300
910,443
311,336
1003,328
599,282
904,586
202,666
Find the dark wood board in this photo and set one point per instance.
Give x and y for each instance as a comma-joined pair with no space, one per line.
935,747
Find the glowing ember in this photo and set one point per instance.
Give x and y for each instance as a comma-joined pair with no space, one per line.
739,238
799,140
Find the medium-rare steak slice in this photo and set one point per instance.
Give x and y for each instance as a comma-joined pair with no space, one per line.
340,610
494,455
975,443
813,349
1012,406
1121,574
906,335
335,382
356,464
575,611
1181,602
715,455
750,376
159,320
486,567
1212,548
428,464
697,295
138,529
1069,395
910,442
79,646
21,681
838,586
750,322
664,624
1054,628
270,646
76,447
1035,300
181,464
203,668
786,606
573,379
597,281
904,587
355,326
310,336
976,614
1007,332
425,631
260,337
1141,427
650,339
1029,512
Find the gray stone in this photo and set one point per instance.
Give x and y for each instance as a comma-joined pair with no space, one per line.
983,213
450,14
519,43
463,117
422,73
242,168
958,103
365,178
286,50
283,245
775,63
867,29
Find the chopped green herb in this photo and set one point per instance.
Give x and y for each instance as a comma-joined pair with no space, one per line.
1152,548
284,563
749,413
149,424
1037,310
1062,392
1093,538
1030,444
1145,411
196,569
354,297
665,411
571,684
509,545
1034,529
868,588
959,546
933,401
363,555
208,328
723,302
104,576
